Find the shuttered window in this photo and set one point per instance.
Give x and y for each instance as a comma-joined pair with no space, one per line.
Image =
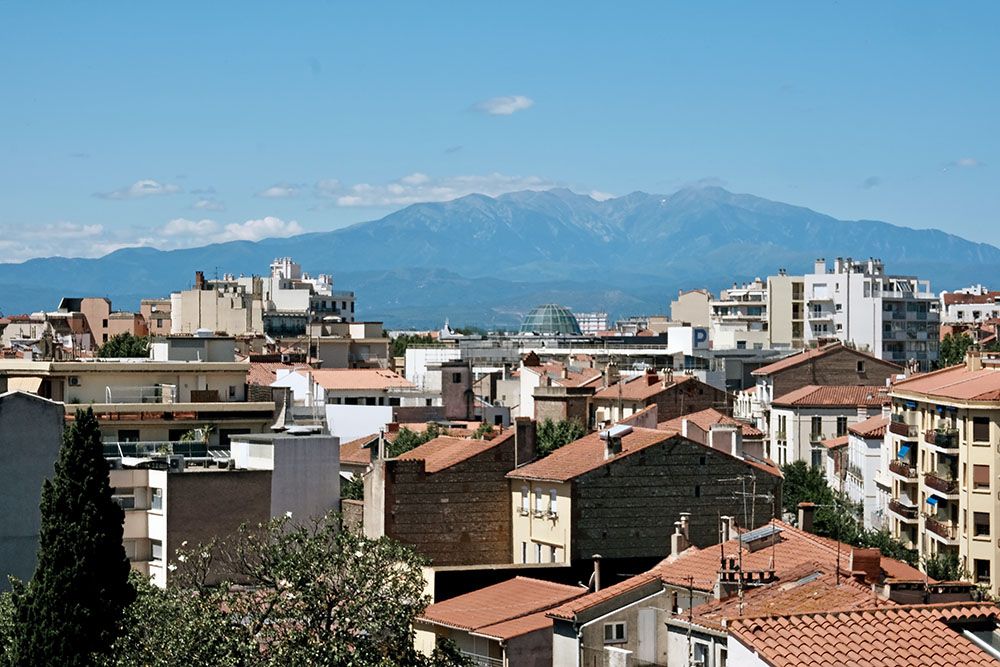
980,476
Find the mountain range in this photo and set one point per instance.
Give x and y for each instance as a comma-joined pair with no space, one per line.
487,260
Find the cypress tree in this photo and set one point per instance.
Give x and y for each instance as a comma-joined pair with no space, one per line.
71,610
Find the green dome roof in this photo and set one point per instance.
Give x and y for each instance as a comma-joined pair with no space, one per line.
550,319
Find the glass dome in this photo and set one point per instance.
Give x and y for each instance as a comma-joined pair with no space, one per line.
550,319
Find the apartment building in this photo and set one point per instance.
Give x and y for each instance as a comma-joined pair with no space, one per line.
739,318
894,317
592,323
607,492
692,307
971,305
786,308
802,420
942,452
156,314
862,479
173,495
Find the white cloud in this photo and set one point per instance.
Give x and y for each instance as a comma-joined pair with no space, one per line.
417,187
327,187
600,196
255,230
209,204
146,187
504,105
967,163
185,227
63,230
281,191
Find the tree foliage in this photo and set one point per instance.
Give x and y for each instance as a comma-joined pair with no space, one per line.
945,567
399,344
124,345
353,489
71,610
953,349
552,435
407,439
484,432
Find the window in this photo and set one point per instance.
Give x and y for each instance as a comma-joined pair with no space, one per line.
456,378
861,366
697,491
982,568
128,435
156,499
614,633
538,553
525,501
701,460
981,429
553,501
524,552
157,549
980,476
981,524
232,391
841,426
701,654
816,429
538,500
125,497
552,554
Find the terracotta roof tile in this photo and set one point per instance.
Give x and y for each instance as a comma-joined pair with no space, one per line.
893,636
586,454
704,419
643,387
334,379
356,451
835,443
806,356
956,383
873,427
516,627
487,608
264,373
569,610
872,396
445,451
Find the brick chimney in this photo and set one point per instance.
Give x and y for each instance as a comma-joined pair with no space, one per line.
866,563
973,361
199,280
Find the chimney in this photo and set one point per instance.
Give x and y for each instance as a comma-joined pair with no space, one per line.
725,529
973,361
806,510
199,280
524,441
727,438
686,525
684,427
651,377
862,412
820,266
392,427
678,541
597,572
867,563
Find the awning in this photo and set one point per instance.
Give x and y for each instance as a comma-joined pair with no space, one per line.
28,385
903,451
931,500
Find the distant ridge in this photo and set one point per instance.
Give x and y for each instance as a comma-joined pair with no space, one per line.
487,260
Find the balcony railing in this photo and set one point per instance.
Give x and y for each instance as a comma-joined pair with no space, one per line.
943,438
902,510
482,660
816,437
941,528
947,485
903,429
113,449
161,393
902,468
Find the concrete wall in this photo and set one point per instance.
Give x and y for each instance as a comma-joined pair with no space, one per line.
30,436
349,422
306,478
535,524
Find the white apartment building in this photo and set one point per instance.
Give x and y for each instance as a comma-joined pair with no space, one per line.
591,323
970,305
862,470
895,317
739,317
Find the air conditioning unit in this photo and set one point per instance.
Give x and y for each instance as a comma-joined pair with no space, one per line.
175,463
73,381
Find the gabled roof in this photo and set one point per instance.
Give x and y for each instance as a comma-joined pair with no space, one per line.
872,396
586,454
555,371
643,387
836,443
704,419
873,427
955,383
806,356
570,610
359,450
445,451
264,373
341,379
898,636
502,610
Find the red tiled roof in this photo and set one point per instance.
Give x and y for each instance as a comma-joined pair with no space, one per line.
334,379
806,356
872,396
898,636
834,443
445,451
796,547
484,611
569,610
704,419
953,298
873,427
642,388
956,383
586,454
356,452
809,587
516,627
264,373
555,372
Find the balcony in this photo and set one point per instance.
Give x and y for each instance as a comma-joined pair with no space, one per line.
152,449
942,438
903,429
161,393
482,660
947,485
943,529
903,469
816,438
903,512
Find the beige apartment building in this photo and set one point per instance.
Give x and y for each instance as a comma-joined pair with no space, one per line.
943,458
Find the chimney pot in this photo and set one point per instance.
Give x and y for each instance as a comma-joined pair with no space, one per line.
806,510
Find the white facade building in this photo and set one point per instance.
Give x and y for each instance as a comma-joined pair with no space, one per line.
739,317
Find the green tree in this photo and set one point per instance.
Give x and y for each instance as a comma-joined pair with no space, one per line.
953,349
399,344
484,432
945,567
125,345
552,435
70,612
8,627
353,489
407,439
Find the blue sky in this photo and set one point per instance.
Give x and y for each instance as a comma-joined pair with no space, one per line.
184,123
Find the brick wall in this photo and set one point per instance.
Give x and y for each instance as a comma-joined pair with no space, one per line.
837,367
458,516
687,397
628,509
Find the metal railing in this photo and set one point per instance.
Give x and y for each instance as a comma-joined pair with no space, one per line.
945,438
902,468
902,510
938,482
482,660
941,528
162,393
117,449
903,429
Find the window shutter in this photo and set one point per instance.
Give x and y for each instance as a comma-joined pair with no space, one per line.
981,476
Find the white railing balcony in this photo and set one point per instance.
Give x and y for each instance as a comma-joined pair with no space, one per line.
163,393
482,660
